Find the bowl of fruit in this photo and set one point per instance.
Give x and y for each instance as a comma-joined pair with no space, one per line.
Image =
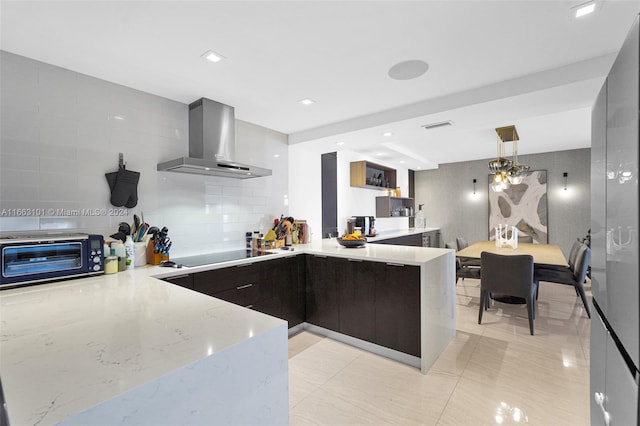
352,240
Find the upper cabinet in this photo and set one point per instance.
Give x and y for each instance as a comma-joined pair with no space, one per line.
370,175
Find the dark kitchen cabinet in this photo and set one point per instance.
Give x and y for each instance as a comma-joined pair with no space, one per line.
356,282
246,285
322,301
181,280
425,239
285,275
397,306
275,287
413,240
431,239
293,291
218,280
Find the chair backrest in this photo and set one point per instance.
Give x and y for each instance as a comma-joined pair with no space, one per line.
452,245
573,254
461,243
506,274
582,263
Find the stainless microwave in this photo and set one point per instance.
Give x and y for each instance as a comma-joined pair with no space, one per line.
41,257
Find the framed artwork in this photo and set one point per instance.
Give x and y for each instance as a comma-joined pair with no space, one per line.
523,206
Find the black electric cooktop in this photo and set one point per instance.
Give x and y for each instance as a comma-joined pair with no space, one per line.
223,256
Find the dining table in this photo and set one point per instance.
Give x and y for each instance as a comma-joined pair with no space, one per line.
544,255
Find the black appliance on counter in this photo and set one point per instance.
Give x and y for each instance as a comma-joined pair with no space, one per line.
35,257
365,223
615,322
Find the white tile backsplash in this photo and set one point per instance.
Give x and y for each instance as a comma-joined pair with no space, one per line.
60,135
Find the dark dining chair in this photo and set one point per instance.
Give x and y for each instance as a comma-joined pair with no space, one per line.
574,276
462,243
504,275
467,271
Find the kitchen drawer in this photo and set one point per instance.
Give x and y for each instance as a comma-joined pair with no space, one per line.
243,295
218,280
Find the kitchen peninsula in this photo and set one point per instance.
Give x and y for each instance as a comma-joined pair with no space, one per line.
130,348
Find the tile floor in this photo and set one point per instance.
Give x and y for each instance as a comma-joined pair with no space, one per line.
490,374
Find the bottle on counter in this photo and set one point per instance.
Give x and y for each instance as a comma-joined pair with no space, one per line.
256,241
249,237
288,238
420,220
130,252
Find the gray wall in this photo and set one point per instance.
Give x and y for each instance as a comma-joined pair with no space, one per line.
447,195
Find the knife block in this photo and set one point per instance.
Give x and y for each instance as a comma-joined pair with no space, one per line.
152,257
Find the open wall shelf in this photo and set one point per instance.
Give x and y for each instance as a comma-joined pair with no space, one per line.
373,176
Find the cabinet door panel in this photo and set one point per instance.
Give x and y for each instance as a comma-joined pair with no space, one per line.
217,280
322,292
271,306
398,309
293,297
356,288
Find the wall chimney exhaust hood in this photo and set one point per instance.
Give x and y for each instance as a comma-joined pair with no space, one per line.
212,144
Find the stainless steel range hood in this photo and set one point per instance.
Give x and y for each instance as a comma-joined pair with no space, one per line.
212,144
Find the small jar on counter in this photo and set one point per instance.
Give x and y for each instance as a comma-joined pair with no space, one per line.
111,264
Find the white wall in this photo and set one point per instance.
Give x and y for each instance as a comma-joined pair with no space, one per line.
306,189
61,131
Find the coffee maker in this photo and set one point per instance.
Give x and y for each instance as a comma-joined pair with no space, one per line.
366,224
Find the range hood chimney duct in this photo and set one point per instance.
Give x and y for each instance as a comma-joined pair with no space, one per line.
212,144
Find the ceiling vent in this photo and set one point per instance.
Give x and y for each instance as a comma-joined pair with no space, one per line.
432,126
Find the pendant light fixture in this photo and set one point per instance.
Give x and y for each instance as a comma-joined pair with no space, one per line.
507,172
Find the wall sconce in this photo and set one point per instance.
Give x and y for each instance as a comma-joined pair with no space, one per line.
474,186
564,177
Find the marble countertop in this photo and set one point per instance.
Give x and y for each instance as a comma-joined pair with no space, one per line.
69,345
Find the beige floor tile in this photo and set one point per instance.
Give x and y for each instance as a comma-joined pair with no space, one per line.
392,391
302,341
324,408
457,354
491,373
475,403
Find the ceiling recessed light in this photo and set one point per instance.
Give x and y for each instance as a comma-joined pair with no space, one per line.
339,143
307,101
584,9
276,155
212,56
387,134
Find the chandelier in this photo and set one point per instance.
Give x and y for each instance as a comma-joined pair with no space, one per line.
505,171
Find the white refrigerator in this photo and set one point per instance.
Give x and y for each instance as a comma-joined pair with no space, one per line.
615,326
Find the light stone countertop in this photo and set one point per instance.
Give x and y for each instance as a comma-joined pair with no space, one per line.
70,345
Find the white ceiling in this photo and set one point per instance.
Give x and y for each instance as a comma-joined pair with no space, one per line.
491,63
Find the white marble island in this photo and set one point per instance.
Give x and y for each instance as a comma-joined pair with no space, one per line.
437,292
131,349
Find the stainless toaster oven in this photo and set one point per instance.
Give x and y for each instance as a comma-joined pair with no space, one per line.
30,258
